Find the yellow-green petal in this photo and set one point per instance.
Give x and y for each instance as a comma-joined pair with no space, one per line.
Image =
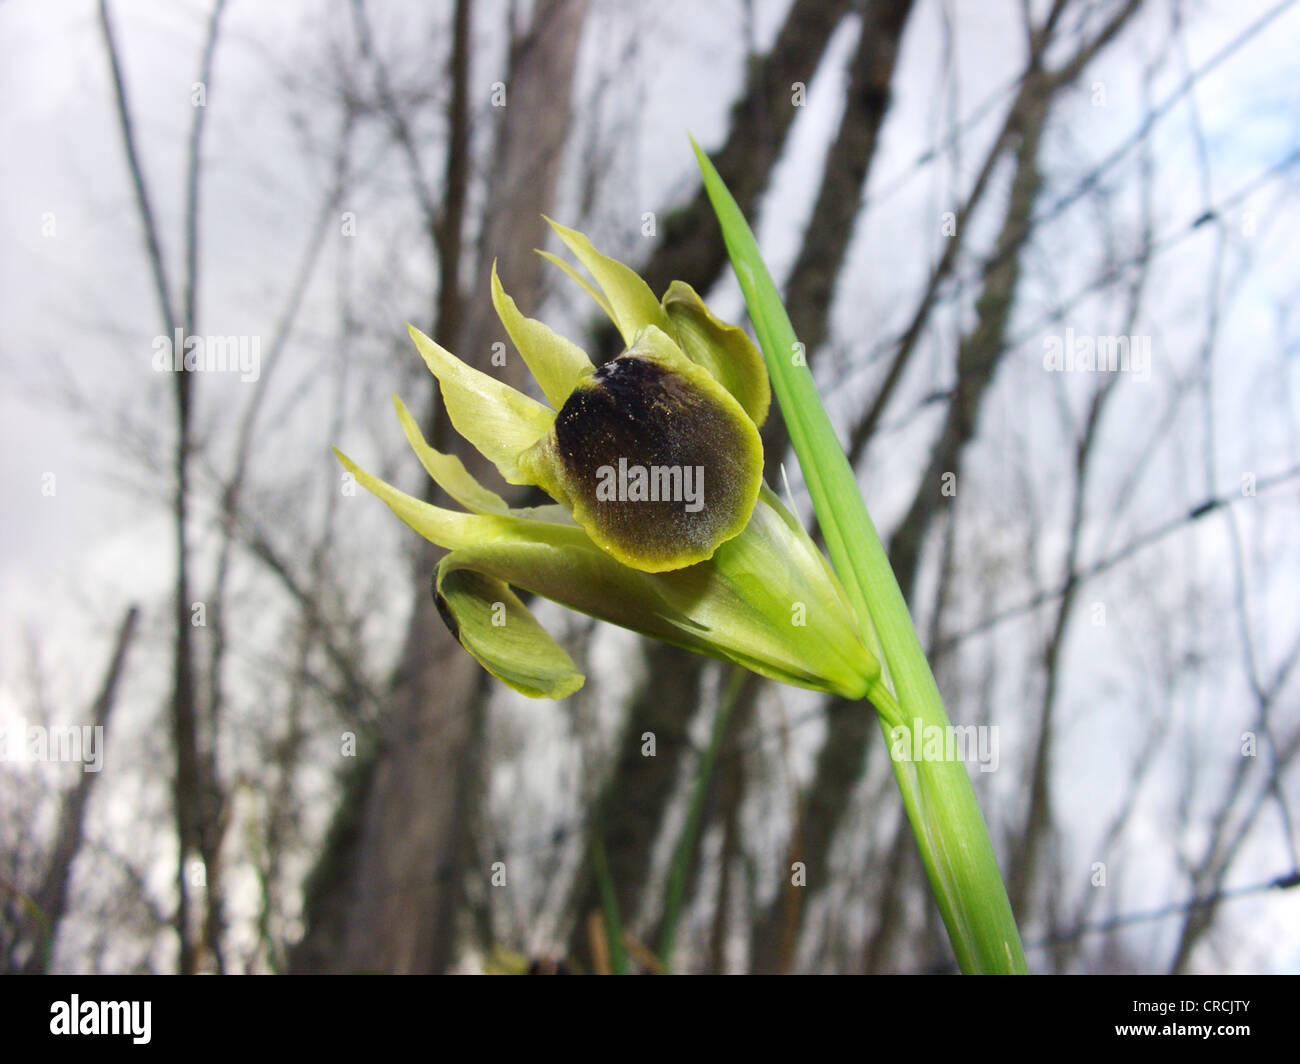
490,621
579,280
631,304
450,529
450,474
497,419
448,471
723,349
556,364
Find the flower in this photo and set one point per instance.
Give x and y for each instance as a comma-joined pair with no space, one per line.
662,523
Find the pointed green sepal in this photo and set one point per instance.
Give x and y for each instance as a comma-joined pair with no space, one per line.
577,278
490,622
556,364
450,474
497,419
628,299
446,528
448,471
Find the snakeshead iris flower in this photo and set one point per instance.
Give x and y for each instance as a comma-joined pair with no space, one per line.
661,524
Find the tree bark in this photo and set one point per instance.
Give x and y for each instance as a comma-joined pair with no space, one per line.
809,295
691,247
51,896
691,250
392,890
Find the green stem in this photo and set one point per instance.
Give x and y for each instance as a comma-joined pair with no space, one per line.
686,842
609,905
937,794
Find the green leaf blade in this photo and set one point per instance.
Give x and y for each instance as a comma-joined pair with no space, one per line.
939,798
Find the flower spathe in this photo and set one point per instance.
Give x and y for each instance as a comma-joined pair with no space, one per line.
728,571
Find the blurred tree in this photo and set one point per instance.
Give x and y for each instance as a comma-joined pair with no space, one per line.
388,895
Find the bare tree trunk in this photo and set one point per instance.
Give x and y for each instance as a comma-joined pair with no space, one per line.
840,763
811,287
738,719
51,896
691,247
844,750
809,296
691,250
1036,828
394,870
449,229
628,813
195,787
981,350
1259,780
732,780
